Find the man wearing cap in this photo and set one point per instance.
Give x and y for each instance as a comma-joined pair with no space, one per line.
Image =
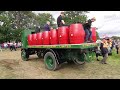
104,50
87,28
60,21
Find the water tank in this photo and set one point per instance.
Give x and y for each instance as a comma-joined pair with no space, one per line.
63,35
76,34
29,38
46,37
39,38
94,36
53,37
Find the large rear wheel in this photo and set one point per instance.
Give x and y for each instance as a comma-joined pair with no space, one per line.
50,61
80,60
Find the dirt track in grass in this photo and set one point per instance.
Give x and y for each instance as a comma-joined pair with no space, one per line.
12,67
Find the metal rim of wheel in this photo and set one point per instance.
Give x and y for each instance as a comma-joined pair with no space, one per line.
50,61
23,55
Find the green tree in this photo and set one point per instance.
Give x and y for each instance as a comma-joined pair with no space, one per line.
115,37
22,19
5,27
42,18
16,21
75,16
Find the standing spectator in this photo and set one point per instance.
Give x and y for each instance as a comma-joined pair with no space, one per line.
1,47
104,50
113,44
11,46
8,44
117,46
18,45
14,46
5,45
109,41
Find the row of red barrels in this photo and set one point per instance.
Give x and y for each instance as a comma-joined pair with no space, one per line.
74,34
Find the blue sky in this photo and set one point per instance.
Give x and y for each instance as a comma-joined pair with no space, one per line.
107,22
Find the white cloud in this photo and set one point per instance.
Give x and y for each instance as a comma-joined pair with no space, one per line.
107,22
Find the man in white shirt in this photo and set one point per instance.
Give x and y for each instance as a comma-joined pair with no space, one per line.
11,46
5,45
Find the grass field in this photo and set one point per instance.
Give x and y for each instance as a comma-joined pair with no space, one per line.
12,67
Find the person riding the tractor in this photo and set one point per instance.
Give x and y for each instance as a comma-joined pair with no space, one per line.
47,26
60,21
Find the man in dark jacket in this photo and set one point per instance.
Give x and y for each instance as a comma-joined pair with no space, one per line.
104,50
87,28
113,44
47,26
37,29
60,21
117,46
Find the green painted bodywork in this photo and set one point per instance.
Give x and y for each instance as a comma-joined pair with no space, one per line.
64,46
25,33
75,54
71,52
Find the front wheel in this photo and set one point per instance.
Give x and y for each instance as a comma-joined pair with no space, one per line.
24,55
50,61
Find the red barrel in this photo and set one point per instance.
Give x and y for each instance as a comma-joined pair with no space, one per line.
34,39
94,36
76,34
53,37
29,38
46,37
39,38
63,35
